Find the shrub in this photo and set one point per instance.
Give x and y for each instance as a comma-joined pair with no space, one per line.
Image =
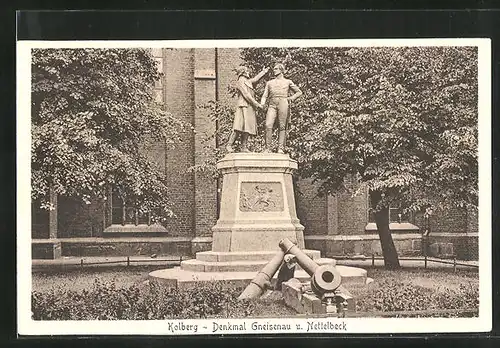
104,301
391,295
467,296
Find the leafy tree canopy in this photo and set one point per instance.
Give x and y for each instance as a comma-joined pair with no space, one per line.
93,111
403,120
398,122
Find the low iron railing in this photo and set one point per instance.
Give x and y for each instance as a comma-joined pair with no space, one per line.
425,259
128,261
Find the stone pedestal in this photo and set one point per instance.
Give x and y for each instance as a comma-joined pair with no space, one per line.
257,205
257,211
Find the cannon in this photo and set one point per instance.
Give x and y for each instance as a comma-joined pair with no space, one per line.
323,294
262,280
324,279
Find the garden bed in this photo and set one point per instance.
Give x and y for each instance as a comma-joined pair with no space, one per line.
122,293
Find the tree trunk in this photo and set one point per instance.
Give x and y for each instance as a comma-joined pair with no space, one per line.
391,260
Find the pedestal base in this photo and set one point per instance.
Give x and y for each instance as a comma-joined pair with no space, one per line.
182,279
248,261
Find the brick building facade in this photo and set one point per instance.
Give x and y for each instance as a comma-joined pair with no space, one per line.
336,225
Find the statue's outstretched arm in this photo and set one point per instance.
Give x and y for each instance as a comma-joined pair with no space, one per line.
257,77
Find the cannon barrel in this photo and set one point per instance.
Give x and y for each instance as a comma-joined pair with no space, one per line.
303,260
258,284
324,278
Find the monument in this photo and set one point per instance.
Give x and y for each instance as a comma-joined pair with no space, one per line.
245,120
257,203
276,93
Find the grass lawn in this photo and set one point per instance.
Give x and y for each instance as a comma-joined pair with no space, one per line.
79,279
404,290
417,290
436,280
84,278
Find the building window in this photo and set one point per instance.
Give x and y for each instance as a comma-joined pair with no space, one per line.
396,215
123,218
399,221
126,213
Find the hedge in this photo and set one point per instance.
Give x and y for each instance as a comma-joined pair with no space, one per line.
106,301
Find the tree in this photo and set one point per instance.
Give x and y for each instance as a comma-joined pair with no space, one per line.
401,122
93,110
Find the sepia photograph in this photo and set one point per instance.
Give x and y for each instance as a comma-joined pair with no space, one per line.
254,186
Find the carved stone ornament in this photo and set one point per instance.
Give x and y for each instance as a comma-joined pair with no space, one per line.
261,196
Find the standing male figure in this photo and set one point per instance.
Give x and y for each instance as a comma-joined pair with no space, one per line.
276,92
245,121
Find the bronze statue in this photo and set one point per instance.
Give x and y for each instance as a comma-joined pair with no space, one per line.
245,122
276,92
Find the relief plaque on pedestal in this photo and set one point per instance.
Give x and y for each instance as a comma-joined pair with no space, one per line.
261,196
257,203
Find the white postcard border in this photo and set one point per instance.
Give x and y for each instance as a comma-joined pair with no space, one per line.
27,326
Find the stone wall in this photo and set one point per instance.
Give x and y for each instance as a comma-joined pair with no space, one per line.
363,244
205,194
441,245
179,96
463,246
39,221
352,213
452,220
173,246
312,210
